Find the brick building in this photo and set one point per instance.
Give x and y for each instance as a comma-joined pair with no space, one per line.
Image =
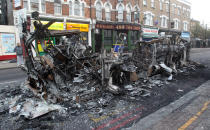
106,19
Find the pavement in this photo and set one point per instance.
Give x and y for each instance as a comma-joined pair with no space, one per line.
190,112
7,65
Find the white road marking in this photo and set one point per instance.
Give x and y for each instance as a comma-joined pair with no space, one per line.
8,82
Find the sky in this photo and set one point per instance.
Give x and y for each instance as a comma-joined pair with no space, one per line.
201,11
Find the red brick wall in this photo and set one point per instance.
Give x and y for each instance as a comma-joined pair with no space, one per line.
49,7
65,9
103,14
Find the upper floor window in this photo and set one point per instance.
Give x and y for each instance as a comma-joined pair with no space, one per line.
136,15
153,3
129,14
148,19
161,5
70,8
185,26
57,8
179,11
167,7
144,2
98,11
120,13
164,22
43,6
77,8
34,5
25,4
108,12
83,9
173,9
176,24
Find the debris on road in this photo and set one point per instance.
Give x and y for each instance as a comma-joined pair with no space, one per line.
70,77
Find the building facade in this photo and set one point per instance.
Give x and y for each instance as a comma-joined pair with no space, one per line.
106,19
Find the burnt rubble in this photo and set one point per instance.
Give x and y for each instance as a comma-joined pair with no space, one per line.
71,78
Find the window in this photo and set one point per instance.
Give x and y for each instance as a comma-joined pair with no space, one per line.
173,9
176,24
120,13
134,36
76,8
108,12
179,11
148,19
144,2
57,8
25,4
129,14
34,5
108,37
185,26
98,11
153,3
161,5
83,9
43,6
167,7
136,15
164,22
70,8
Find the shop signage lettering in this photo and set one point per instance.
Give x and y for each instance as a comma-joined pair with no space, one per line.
75,26
150,32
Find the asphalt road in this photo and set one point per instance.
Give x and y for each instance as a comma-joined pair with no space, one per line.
11,75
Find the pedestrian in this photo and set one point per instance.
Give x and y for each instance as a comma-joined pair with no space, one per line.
19,52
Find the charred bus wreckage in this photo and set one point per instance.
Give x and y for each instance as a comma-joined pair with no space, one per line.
71,72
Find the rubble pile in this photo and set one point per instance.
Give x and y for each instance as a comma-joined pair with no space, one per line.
70,78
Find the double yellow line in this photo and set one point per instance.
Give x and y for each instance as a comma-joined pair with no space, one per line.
195,117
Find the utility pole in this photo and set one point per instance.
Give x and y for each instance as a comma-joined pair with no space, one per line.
169,15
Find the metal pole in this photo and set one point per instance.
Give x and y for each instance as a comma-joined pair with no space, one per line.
169,15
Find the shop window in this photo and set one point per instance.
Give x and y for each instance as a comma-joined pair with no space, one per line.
129,14
34,5
120,13
134,36
98,11
108,37
43,6
108,12
70,8
77,8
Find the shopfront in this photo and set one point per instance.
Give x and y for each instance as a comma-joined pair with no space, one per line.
83,28
8,40
108,34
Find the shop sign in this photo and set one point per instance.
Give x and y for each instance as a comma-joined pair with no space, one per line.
185,35
76,26
7,43
105,26
150,32
54,26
